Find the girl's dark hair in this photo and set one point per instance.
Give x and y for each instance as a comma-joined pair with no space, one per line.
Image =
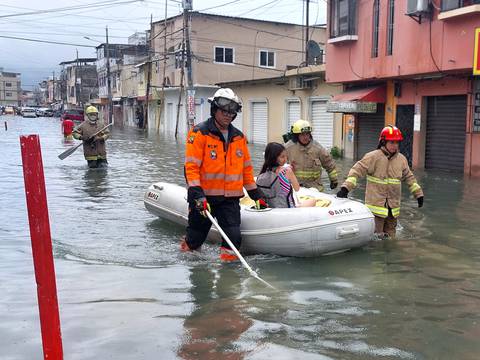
272,152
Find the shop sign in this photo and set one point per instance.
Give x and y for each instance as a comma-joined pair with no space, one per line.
191,104
351,107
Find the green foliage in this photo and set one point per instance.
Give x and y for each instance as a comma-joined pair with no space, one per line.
336,152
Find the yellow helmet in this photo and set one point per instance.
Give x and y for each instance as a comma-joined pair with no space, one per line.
91,109
301,126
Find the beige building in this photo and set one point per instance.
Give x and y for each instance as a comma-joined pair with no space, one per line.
224,49
272,105
10,88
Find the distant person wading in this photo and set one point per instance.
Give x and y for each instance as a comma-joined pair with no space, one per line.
94,149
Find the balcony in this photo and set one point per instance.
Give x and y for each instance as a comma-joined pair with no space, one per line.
456,8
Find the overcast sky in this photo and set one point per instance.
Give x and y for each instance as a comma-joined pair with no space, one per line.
80,18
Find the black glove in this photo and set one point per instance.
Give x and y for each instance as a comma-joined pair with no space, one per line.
333,184
420,201
194,193
343,193
202,206
256,194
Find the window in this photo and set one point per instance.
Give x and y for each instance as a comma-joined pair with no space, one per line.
455,4
223,55
8,84
343,18
9,94
376,16
178,59
267,58
390,24
72,91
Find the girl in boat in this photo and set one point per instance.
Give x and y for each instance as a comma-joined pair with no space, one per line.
277,180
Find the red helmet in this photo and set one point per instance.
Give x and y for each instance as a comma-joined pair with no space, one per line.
391,133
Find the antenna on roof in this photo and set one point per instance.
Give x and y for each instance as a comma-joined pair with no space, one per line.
314,53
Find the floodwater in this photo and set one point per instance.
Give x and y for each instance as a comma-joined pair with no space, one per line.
126,292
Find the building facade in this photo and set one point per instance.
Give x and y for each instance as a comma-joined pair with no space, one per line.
224,49
78,80
272,105
10,88
408,63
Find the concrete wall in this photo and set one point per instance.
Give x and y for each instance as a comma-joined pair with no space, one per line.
451,42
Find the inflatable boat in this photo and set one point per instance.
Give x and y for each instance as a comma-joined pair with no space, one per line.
333,225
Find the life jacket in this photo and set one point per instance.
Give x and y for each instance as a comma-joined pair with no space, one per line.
219,167
275,195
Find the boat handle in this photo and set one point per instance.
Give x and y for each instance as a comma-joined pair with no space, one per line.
348,231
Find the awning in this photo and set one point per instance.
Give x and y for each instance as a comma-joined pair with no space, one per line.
358,101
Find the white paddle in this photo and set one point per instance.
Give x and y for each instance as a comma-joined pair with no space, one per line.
242,260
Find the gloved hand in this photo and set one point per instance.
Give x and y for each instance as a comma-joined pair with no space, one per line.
98,137
333,184
420,201
343,193
261,204
202,206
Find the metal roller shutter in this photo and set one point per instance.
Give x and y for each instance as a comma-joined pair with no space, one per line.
170,120
293,113
445,142
369,128
259,122
322,123
238,122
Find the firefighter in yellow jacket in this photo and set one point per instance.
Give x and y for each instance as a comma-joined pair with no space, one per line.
307,157
217,168
385,168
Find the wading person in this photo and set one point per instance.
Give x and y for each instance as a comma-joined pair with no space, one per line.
385,168
308,157
277,180
217,168
94,148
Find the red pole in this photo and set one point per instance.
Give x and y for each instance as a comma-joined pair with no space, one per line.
41,247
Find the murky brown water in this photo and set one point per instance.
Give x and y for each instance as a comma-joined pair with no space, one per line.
125,291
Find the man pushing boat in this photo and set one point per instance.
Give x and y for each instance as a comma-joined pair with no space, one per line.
217,168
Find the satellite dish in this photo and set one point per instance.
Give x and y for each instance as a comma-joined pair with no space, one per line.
314,52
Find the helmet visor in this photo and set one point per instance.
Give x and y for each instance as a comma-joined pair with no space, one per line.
227,105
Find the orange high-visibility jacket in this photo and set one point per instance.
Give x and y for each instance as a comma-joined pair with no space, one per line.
220,169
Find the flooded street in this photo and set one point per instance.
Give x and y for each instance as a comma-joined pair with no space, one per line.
126,292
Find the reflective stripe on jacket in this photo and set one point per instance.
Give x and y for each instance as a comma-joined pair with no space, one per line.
97,149
219,168
308,161
384,181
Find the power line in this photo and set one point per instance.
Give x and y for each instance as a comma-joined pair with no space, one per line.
45,41
218,6
78,7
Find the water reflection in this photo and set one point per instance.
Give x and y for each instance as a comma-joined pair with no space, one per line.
217,321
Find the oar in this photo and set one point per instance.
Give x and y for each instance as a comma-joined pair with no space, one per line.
244,263
70,151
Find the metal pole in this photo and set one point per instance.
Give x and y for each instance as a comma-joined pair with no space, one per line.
53,87
189,88
76,80
149,76
306,32
109,88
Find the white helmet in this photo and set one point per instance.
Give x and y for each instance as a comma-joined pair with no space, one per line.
223,99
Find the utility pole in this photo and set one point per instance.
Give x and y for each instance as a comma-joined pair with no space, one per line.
190,91
164,68
76,81
53,86
109,88
307,31
149,76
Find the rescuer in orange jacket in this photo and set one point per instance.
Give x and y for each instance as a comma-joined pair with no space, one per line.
217,168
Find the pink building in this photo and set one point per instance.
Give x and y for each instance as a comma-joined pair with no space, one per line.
409,63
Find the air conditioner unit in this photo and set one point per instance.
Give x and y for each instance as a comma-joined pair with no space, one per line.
298,83
417,7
